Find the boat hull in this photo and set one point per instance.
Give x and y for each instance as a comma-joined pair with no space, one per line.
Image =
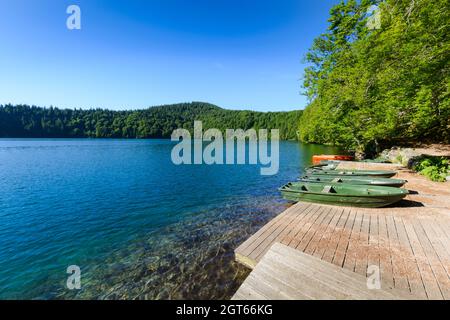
359,180
323,157
346,202
363,173
323,167
343,194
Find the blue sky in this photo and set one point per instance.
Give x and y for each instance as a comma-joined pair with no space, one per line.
133,54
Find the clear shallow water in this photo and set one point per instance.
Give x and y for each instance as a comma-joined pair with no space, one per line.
138,226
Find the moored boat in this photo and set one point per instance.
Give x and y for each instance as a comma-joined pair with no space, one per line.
343,194
318,158
339,173
357,180
324,166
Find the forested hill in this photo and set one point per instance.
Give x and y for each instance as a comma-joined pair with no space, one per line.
156,122
380,75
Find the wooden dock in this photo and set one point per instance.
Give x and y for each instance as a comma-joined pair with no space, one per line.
409,242
289,274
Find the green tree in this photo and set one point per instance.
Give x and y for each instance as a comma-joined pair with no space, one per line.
372,88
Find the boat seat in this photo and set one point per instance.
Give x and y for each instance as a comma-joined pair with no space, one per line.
303,187
328,189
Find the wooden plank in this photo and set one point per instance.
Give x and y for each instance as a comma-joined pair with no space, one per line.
363,244
437,242
313,229
434,262
441,235
281,220
328,234
324,277
310,284
246,292
373,258
386,272
398,261
304,227
350,257
245,260
298,287
278,234
286,273
341,250
269,289
416,260
297,225
320,231
334,241
444,226
245,253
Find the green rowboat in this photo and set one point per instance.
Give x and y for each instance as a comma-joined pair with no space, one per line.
322,167
340,173
362,180
343,194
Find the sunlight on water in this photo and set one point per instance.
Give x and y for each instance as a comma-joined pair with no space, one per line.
138,226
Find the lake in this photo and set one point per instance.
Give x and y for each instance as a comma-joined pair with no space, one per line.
138,226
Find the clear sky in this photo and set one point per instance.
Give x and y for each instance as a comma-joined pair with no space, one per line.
131,54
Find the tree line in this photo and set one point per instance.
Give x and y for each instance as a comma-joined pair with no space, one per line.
379,75
23,121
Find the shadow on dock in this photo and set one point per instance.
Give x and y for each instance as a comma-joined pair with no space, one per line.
406,204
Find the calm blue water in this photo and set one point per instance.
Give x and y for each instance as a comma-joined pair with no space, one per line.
138,226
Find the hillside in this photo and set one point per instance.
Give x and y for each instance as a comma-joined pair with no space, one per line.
24,121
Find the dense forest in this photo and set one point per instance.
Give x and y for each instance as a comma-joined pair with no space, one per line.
379,75
156,122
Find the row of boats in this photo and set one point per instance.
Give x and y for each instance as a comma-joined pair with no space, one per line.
326,184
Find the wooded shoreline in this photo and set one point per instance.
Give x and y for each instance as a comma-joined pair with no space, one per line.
23,121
